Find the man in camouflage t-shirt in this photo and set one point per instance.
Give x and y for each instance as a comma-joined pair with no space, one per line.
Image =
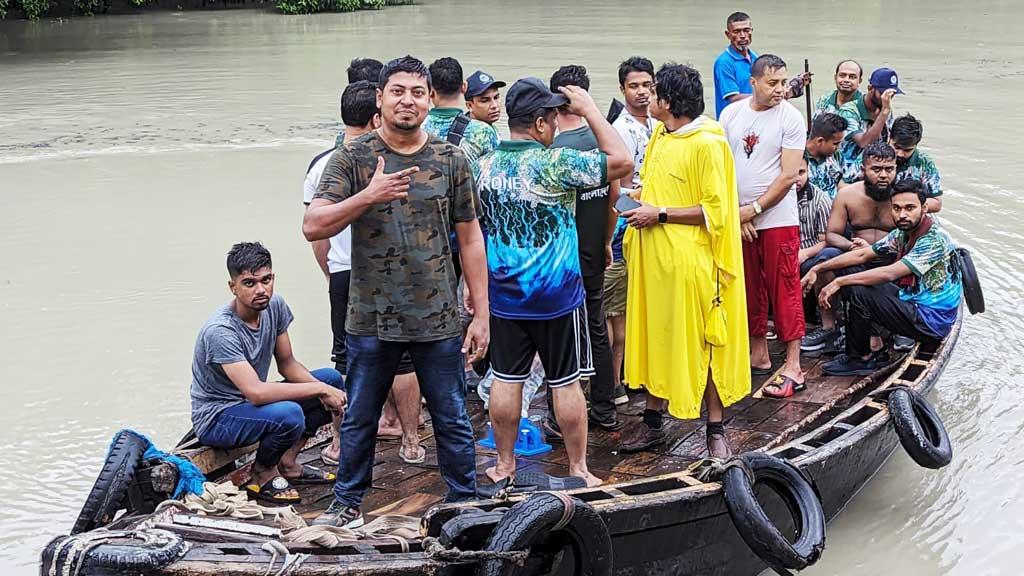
528,194
402,191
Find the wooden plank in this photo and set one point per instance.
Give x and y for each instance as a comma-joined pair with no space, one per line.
413,505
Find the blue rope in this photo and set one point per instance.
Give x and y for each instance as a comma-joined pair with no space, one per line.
190,478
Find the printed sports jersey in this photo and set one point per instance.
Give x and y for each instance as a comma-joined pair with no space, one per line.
937,290
528,196
635,135
825,174
479,138
620,232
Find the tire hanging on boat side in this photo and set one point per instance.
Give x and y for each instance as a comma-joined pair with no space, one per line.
137,552
919,428
754,526
533,520
110,491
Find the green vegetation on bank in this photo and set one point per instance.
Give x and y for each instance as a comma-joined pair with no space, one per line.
35,9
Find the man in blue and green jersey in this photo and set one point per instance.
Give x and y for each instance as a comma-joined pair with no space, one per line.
528,197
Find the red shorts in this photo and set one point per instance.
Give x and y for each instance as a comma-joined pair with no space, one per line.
771,270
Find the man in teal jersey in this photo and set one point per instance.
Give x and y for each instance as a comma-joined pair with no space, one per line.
476,138
528,196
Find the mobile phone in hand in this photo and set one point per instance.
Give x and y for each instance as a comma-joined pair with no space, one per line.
625,204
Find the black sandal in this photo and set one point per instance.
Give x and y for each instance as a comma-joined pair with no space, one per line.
272,491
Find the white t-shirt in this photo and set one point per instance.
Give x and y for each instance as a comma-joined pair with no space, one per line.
635,135
339,257
757,140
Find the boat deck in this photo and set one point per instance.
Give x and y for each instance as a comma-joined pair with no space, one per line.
401,488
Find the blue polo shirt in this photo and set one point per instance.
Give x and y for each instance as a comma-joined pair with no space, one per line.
732,76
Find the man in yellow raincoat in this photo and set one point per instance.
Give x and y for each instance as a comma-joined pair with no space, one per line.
686,319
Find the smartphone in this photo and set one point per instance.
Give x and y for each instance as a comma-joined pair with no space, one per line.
625,204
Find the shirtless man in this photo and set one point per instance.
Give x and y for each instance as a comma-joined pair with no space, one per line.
862,208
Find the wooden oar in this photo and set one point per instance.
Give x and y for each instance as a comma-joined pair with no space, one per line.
807,95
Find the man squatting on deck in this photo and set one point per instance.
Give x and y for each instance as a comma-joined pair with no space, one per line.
399,201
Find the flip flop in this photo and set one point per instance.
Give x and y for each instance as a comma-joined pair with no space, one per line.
313,475
755,371
408,460
544,481
786,385
272,491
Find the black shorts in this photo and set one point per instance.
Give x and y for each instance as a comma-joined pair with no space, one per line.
338,292
563,344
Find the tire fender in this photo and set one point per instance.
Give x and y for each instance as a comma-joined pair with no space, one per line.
921,432
754,526
153,550
109,492
533,519
973,295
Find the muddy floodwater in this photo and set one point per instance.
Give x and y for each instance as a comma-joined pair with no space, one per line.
134,150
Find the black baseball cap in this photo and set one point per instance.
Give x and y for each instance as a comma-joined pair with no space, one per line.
479,82
885,79
530,94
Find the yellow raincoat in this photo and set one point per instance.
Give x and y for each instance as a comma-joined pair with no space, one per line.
674,329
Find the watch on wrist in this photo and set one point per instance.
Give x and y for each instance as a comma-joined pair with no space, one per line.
663,215
757,207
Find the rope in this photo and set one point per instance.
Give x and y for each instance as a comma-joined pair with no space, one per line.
434,549
291,561
712,469
568,510
227,500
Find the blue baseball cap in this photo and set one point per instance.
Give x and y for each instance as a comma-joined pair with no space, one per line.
479,82
885,79
529,95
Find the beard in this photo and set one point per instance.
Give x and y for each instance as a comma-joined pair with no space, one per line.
878,193
908,225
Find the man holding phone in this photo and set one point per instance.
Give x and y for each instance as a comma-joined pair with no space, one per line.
686,339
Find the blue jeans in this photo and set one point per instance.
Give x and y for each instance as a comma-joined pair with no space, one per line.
371,370
276,426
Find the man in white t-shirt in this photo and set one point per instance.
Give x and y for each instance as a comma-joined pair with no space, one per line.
767,136
402,411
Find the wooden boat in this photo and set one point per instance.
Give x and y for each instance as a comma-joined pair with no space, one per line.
660,517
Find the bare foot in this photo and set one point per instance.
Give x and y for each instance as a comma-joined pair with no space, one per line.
497,476
332,452
796,375
592,481
390,431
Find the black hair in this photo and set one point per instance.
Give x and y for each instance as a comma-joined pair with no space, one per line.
358,103
765,62
446,74
906,131
910,186
569,75
635,64
860,69
523,123
247,257
736,17
404,64
680,86
827,124
364,69
879,150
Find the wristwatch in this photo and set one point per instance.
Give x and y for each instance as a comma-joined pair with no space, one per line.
663,215
757,207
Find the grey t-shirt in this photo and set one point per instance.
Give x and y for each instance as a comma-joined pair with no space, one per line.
225,339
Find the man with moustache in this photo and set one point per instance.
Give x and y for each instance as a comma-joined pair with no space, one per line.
483,102
916,295
402,190
233,403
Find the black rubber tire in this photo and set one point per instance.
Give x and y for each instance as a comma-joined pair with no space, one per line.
919,428
973,295
123,558
754,526
531,520
109,493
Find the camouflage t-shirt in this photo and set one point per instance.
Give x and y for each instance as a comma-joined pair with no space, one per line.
403,286
528,196
478,139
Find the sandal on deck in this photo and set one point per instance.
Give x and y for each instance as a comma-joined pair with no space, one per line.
327,459
409,460
786,386
490,491
313,475
273,491
755,371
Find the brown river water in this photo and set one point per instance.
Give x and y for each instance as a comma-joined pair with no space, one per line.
134,150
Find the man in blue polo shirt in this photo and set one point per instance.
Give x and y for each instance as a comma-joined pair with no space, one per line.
732,68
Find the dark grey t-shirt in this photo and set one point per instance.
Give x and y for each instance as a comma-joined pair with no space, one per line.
225,339
591,207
